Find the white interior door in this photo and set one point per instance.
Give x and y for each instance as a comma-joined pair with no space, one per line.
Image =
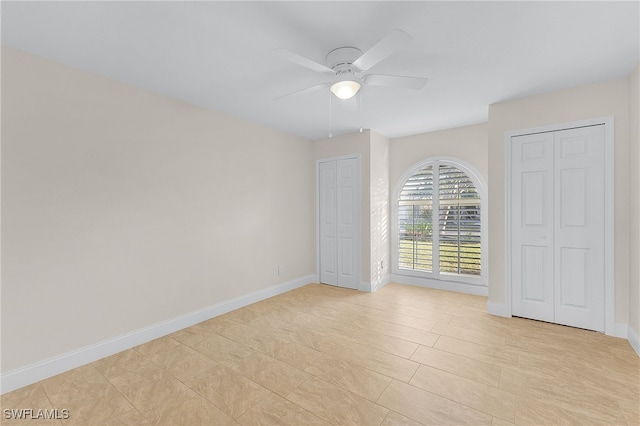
328,212
347,221
558,222
339,222
579,227
532,226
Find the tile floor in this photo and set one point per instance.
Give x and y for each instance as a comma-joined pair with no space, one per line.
321,355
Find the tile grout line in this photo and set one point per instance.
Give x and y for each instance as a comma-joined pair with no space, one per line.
123,395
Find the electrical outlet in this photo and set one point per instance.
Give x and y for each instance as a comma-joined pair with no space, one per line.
280,270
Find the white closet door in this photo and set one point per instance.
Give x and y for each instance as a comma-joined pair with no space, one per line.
532,226
558,221
328,212
579,227
347,222
339,222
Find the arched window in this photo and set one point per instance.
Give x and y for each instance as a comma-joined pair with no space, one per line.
439,223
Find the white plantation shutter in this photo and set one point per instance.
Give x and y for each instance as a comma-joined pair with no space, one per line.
415,221
458,222
452,242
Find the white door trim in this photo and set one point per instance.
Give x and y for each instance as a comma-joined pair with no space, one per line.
358,192
609,218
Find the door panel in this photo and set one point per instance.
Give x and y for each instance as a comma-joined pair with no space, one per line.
532,226
533,193
574,185
347,208
573,277
533,273
579,227
328,225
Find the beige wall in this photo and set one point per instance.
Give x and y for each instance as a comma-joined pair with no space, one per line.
634,198
593,101
122,208
468,143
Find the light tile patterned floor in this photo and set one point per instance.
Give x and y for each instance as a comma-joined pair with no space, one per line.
323,355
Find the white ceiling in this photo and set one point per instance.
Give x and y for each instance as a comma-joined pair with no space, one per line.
218,55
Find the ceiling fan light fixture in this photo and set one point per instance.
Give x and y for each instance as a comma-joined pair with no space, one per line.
345,89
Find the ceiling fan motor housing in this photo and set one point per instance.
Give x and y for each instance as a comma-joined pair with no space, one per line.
341,60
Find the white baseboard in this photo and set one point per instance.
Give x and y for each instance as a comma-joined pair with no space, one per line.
619,330
384,281
498,309
50,367
364,286
478,290
632,336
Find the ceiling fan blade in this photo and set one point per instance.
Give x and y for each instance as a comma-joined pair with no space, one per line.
390,44
305,91
398,81
302,61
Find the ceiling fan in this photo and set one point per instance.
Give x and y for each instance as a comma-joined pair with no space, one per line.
348,66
